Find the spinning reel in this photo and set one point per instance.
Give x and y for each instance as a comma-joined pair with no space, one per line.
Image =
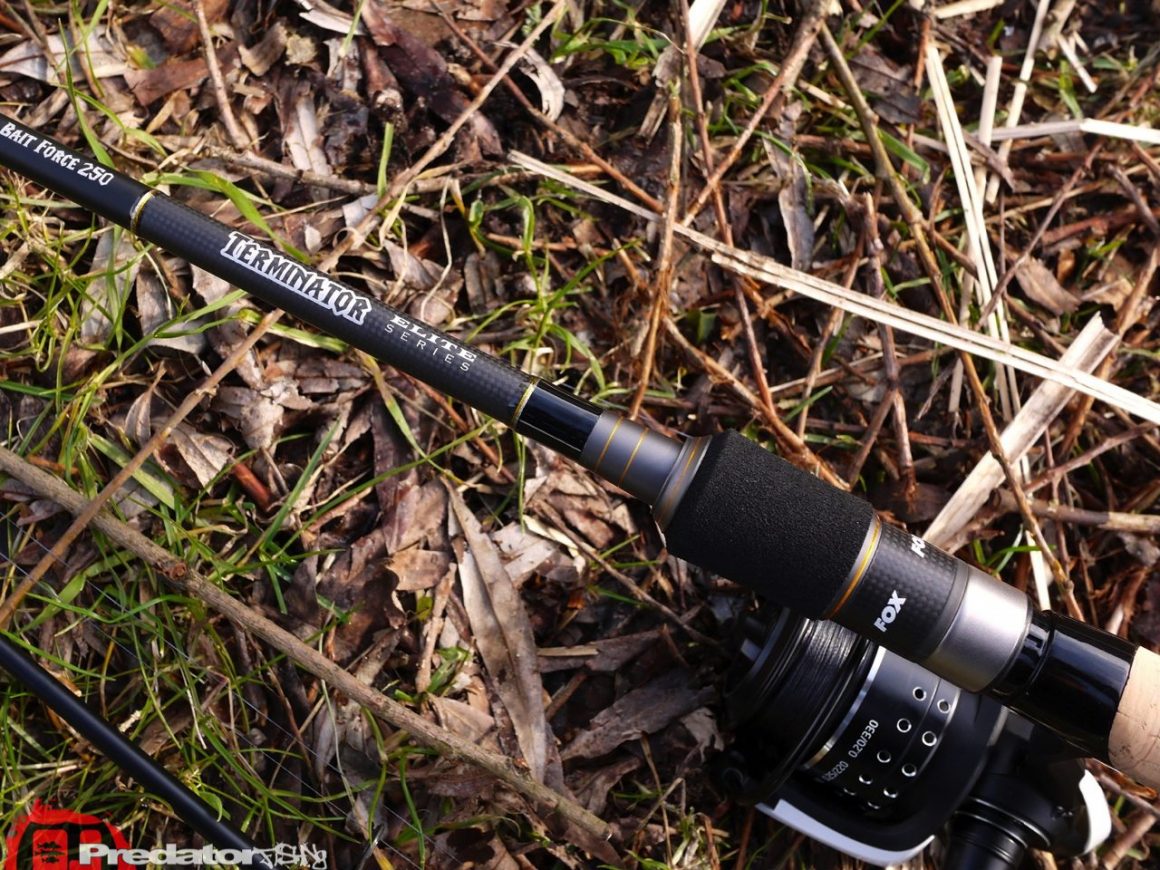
873,755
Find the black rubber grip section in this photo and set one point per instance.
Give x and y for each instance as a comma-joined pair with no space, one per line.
908,596
759,521
433,357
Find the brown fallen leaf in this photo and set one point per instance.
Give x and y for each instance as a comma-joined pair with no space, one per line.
526,553
176,23
418,569
606,656
599,517
150,85
1042,287
360,584
206,455
259,58
412,512
503,635
463,719
423,72
642,711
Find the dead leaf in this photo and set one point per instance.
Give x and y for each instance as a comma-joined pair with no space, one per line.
503,635
155,309
150,85
551,88
114,268
301,129
261,57
1041,286
206,455
419,569
793,203
423,72
176,23
259,418
101,56
890,86
360,584
702,724
415,273
598,517
524,552
139,417
606,655
462,719
642,711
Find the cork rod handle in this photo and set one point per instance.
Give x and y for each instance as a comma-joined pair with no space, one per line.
1134,743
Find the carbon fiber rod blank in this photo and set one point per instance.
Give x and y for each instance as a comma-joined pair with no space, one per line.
723,502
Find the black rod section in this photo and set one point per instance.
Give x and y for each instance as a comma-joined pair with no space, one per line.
724,502
361,320
151,776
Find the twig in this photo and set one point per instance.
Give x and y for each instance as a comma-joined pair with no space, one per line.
1041,231
561,525
180,575
60,549
1111,784
745,286
1113,521
280,170
1019,95
785,436
1138,826
930,265
1126,316
663,277
893,395
946,331
870,436
787,76
1133,193
543,120
239,139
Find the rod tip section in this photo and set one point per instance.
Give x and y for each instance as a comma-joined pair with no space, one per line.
757,520
1134,743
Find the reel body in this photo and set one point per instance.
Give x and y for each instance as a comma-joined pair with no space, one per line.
873,755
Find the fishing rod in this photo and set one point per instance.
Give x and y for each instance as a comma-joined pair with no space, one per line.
722,502
186,805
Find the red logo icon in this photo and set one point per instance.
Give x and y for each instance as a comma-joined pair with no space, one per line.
51,839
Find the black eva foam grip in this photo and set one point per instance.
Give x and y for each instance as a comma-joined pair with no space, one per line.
760,521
